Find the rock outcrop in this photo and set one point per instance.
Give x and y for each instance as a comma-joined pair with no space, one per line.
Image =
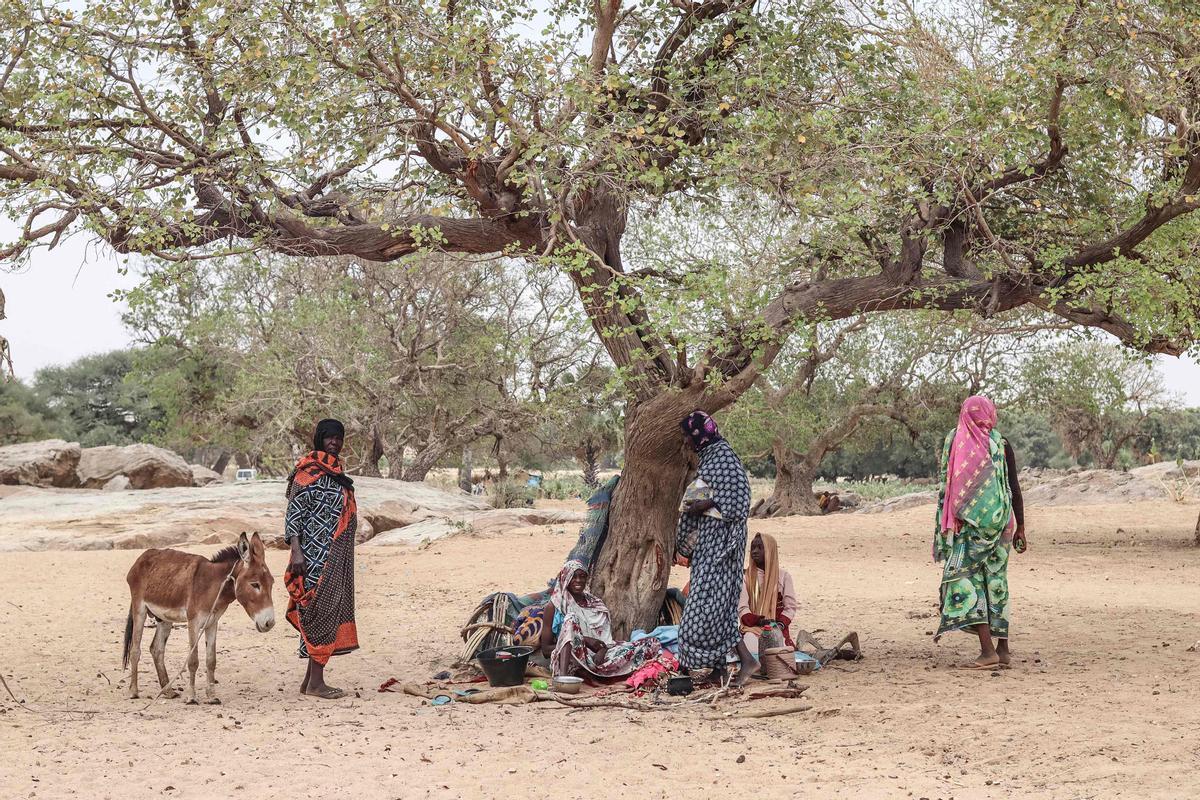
118,484
65,519
203,476
900,503
48,463
146,467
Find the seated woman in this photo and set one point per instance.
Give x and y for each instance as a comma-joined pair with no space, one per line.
577,637
768,594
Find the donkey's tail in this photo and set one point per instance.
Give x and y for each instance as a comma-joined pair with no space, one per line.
128,640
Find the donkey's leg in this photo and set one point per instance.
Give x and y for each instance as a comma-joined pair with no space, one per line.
210,661
158,649
193,660
137,610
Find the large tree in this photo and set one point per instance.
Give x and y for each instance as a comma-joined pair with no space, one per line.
99,400
1009,154
1097,397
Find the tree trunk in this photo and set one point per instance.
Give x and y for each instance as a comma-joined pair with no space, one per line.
465,470
222,462
793,494
589,458
1105,460
636,561
370,462
501,460
395,457
425,460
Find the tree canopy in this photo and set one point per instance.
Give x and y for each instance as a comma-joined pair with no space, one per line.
998,155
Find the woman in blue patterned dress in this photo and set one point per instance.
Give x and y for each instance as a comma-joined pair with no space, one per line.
712,536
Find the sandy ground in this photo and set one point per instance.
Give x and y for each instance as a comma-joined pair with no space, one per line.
1104,701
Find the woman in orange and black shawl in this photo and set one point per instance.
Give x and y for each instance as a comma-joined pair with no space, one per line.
320,526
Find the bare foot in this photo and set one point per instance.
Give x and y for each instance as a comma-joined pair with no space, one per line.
983,662
745,673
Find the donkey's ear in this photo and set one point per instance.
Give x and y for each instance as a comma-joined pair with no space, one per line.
243,546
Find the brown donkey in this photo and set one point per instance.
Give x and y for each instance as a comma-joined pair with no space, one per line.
175,587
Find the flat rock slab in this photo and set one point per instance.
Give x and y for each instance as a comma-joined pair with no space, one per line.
75,519
489,522
900,503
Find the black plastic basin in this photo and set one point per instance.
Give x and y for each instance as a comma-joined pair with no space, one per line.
502,671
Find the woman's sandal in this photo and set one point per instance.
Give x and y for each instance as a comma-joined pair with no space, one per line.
329,693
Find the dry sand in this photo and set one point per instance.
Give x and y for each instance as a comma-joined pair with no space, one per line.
1104,700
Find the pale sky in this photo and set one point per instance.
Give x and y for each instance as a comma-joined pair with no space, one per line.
59,309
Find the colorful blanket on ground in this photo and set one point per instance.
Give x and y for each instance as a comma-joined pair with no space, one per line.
323,515
667,635
665,664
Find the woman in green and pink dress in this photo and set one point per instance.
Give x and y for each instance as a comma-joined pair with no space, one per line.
980,518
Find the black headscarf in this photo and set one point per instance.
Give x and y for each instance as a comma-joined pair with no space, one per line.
325,429
701,429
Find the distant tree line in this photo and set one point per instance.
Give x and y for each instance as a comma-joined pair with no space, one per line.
96,400
148,395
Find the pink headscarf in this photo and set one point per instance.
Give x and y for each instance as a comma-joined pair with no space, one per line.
970,466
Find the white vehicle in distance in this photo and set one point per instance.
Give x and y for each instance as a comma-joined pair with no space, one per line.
246,475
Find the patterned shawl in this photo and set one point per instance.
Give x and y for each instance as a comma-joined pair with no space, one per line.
969,469
312,466
590,613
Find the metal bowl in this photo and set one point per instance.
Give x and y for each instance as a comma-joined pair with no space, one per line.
568,684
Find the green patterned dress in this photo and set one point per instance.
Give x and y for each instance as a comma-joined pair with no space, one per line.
974,587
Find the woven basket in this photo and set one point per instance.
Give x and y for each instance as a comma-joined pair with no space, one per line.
777,658
779,663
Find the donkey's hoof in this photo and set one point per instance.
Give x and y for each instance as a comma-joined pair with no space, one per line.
133,695
191,702
170,694
213,701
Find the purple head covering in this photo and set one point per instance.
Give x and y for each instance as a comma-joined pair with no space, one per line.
701,429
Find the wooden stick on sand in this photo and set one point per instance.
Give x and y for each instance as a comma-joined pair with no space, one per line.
771,712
